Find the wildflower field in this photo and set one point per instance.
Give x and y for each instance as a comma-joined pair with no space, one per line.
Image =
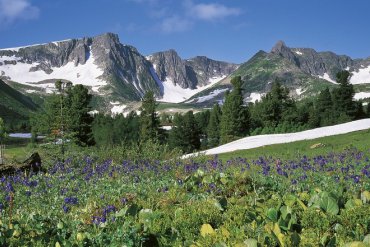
321,200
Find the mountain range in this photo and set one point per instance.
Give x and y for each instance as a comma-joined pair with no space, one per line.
118,74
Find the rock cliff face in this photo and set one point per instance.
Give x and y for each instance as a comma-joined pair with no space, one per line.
198,71
318,63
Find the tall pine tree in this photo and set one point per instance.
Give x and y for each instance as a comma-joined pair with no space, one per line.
78,102
185,133
149,120
235,116
343,97
213,128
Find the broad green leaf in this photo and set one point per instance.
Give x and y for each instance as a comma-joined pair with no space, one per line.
272,214
289,200
353,203
314,200
329,205
365,196
207,229
285,210
250,242
278,235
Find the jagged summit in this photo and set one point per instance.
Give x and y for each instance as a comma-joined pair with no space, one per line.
278,47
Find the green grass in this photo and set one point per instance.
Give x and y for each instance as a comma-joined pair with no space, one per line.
162,106
17,149
358,139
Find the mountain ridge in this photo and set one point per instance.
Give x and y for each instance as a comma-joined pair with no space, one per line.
118,73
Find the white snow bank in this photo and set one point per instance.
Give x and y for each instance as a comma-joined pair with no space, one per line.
176,94
361,76
327,77
254,97
361,95
263,140
117,109
299,91
210,96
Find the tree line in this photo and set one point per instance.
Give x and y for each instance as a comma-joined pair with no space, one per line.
276,112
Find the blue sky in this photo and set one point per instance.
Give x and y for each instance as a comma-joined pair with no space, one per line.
229,30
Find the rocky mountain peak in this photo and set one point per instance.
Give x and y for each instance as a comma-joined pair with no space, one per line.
279,47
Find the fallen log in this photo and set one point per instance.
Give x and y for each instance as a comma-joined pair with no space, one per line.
31,164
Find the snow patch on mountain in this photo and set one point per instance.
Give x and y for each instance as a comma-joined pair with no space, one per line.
253,97
210,96
361,95
361,76
118,109
299,91
326,76
176,94
86,74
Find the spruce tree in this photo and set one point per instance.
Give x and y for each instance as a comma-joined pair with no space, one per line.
176,139
343,96
149,120
213,128
185,133
325,108
80,121
191,133
235,116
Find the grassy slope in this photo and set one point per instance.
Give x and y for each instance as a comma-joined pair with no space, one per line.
358,139
14,106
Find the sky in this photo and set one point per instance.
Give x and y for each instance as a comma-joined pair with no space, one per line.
227,30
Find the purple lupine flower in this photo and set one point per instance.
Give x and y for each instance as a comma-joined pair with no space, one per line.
9,187
65,208
71,200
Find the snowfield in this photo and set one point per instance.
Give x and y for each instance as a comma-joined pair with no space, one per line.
361,76
254,97
263,140
174,93
361,95
211,95
86,74
327,77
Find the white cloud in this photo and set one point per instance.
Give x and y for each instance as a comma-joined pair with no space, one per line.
12,10
175,24
179,16
211,12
